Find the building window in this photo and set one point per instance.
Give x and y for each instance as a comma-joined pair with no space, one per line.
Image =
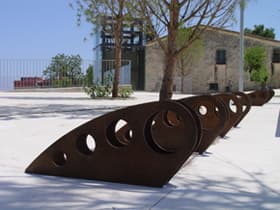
276,55
221,57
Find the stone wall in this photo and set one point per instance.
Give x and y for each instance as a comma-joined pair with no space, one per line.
154,64
204,70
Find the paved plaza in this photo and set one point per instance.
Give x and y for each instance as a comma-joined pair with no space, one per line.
240,171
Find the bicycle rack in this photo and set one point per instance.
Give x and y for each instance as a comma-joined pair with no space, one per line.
146,144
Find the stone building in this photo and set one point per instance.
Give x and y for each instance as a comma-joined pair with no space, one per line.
217,67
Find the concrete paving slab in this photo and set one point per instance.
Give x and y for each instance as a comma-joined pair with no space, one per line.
239,172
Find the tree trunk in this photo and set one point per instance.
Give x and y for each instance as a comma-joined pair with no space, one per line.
118,57
166,90
170,55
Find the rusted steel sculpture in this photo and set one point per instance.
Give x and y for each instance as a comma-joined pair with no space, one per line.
245,102
260,97
173,119
145,144
149,153
270,94
234,110
212,115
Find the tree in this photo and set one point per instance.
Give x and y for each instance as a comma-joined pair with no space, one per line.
260,30
97,12
88,79
255,64
167,17
64,70
189,56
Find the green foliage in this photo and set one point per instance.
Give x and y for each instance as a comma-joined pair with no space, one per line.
255,64
110,17
63,82
64,70
183,38
259,76
242,4
101,91
108,79
98,90
254,58
260,30
125,91
88,79
189,55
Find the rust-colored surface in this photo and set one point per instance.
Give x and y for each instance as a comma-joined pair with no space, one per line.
234,110
148,143
245,102
271,93
260,97
173,119
212,115
149,153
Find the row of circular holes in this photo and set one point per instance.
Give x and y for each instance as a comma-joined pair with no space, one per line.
203,109
86,145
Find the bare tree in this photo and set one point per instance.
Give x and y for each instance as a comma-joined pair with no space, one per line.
99,12
166,17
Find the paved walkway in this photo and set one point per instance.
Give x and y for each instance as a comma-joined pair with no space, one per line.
241,171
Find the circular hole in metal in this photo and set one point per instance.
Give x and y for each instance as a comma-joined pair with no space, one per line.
91,143
238,96
119,133
120,125
216,109
166,130
171,119
130,134
232,106
59,158
202,110
86,144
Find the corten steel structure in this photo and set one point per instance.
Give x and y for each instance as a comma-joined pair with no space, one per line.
234,109
212,115
152,144
260,97
135,158
245,102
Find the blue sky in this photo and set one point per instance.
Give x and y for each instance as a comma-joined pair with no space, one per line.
266,12
43,28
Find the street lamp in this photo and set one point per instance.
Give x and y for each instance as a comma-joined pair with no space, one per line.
241,64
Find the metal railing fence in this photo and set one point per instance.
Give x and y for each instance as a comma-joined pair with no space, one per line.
42,73
125,71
